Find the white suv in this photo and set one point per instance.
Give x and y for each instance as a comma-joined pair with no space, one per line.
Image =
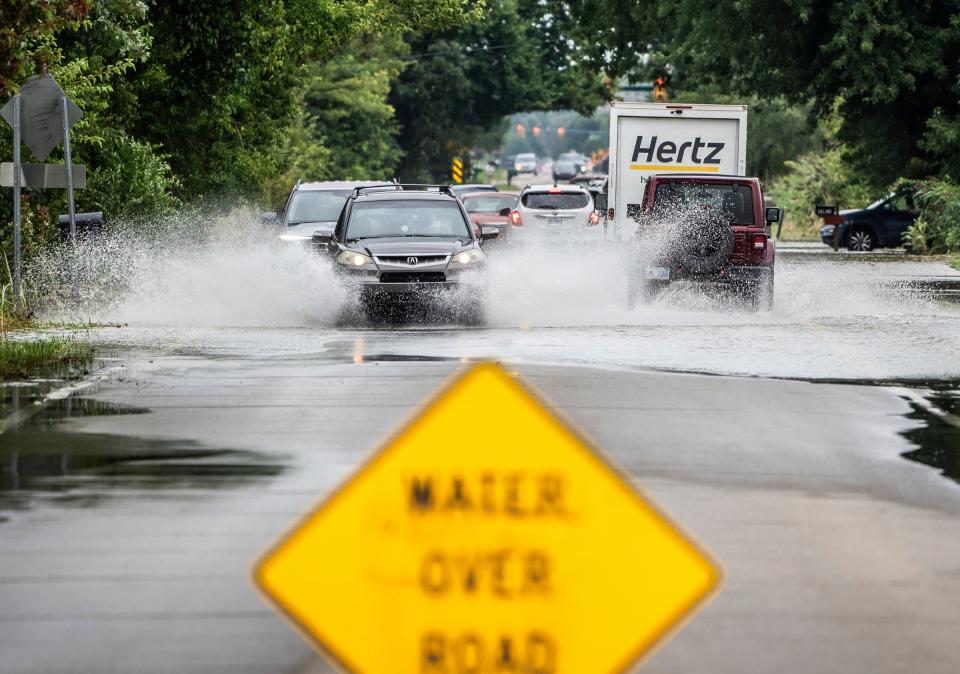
557,212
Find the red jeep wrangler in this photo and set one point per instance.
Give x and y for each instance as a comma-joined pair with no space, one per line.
704,228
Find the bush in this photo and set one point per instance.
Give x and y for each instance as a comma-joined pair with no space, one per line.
817,178
937,230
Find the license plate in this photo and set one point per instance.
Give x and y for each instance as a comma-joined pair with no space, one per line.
554,222
657,273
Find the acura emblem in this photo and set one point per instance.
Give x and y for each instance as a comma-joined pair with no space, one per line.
412,261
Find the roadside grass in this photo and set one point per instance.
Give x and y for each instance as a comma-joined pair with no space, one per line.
955,262
22,359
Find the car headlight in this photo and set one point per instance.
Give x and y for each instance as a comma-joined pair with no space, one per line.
349,258
467,258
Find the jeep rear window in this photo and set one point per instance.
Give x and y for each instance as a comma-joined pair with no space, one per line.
735,206
552,202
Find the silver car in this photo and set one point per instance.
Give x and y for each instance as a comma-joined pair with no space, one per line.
313,207
406,244
557,212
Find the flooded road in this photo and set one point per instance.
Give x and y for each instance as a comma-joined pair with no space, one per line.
835,318
817,461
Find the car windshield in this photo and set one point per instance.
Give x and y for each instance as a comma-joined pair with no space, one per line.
736,206
526,157
556,200
406,218
489,204
316,206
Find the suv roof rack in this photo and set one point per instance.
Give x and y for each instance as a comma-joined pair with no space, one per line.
382,188
443,189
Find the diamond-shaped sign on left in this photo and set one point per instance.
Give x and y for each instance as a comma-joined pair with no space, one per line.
41,117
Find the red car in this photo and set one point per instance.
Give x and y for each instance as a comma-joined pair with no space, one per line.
705,228
491,209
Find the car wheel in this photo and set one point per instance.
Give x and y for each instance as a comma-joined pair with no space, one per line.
861,240
759,294
639,290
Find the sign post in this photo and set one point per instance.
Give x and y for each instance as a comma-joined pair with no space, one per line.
16,202
68,161
509,545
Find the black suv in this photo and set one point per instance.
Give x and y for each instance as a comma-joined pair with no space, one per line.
879,225
414,240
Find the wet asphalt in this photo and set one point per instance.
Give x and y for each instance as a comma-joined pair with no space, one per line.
130,514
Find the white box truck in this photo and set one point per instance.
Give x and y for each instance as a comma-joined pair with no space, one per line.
652,138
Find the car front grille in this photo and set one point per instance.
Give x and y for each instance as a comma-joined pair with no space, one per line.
405,259
412,277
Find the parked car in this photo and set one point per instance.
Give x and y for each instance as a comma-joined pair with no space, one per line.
489,209
415,242
460,190
313,207
879,225
525,162
555,213
708,229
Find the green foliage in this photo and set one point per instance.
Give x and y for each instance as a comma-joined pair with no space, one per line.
937,230
893,65
26,29
26,358
222,89
461,83
823,177
346,112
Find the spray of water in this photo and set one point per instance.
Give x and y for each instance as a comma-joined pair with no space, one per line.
189,270
233,271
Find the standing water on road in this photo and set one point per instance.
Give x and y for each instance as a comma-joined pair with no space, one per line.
834,318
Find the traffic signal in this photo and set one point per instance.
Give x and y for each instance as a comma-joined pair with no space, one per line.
561,131
660,90
521,130
536,131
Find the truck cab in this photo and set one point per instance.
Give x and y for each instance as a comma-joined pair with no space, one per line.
704,228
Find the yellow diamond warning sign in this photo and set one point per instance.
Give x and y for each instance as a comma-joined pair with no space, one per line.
486,537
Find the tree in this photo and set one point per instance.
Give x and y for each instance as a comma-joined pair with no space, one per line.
26,28
223,87
893,67
460,83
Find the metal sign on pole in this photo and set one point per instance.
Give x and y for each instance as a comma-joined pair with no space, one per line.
41,116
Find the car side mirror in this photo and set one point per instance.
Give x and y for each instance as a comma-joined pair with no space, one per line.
600,202
322,236
489,233
773,214
269,218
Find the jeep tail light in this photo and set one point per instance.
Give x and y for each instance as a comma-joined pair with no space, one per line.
594,218
515,218
759,241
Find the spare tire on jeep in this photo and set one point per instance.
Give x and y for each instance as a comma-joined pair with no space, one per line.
705,246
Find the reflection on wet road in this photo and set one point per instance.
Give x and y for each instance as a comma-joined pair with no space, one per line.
44,459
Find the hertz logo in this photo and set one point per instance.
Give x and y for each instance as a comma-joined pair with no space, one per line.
670,156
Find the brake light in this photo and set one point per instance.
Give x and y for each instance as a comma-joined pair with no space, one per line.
515,219
594,218
759,241
554,190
